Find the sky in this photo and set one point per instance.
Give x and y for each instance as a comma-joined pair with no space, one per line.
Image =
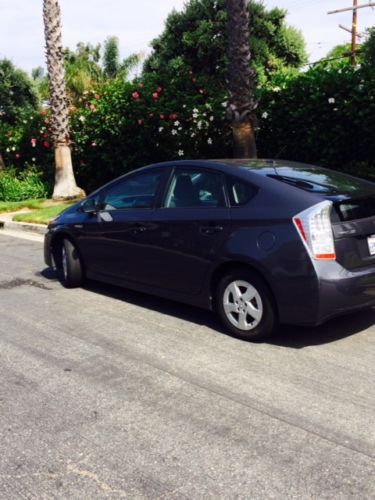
136,23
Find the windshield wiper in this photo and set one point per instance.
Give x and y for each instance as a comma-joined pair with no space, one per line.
303,184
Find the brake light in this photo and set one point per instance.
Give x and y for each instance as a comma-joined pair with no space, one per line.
314,227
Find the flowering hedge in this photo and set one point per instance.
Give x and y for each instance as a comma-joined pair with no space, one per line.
325,116
125,125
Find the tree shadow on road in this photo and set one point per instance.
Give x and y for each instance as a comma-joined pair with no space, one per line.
296,337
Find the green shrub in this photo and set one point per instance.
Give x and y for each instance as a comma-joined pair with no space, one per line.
26,185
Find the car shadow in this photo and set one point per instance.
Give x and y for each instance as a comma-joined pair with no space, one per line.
296,337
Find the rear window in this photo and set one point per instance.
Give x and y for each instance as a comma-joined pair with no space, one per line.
355,209
323,181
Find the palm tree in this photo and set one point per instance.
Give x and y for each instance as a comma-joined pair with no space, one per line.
241,80
65,184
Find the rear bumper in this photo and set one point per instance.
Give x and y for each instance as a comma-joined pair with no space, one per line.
342,291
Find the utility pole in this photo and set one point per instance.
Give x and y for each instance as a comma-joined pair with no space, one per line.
354,29
353,58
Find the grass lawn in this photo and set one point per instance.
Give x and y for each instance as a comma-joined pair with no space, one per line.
13,206
42,215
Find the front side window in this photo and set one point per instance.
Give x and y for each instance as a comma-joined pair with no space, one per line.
194,188
138,191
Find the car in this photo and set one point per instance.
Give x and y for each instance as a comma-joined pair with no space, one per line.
262,242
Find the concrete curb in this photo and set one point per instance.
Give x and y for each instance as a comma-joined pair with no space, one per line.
6,222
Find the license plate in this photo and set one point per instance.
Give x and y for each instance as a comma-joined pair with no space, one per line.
371,244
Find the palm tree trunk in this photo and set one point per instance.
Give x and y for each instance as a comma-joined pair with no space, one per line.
241,80
65,184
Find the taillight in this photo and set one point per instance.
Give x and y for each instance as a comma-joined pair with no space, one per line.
314,227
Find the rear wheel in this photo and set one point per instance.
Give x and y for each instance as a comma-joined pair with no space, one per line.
71,266
246,306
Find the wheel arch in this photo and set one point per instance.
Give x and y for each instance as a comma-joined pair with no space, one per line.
56,244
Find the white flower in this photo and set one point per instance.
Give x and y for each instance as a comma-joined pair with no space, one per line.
211,118
200,123
7,150
265,115
195,110
33,159
180,152
161,129
195,115
209,140
13,148
224,104
176,123
276,89
331,100
174,132
193,134
82,118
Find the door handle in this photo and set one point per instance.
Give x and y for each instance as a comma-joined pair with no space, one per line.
210,230
139,228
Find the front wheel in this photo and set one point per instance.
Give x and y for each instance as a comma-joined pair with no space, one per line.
71,266
246,306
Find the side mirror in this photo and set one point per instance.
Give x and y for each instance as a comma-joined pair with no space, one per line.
89,206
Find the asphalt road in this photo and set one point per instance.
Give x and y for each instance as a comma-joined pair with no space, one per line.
107,393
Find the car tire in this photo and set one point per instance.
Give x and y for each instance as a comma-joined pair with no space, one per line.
246,306
71,265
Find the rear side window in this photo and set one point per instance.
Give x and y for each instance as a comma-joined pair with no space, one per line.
240,192
195,189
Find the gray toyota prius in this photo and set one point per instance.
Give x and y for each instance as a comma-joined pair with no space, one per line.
261,242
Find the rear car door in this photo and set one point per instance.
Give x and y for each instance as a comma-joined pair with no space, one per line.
193,224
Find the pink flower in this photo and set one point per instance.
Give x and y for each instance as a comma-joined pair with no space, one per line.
140,122
173,116
190,72
162,117
93,144
97,97
155,95
46,144
46,120
135,95
93,108
159,89
18,156
201,91
33,142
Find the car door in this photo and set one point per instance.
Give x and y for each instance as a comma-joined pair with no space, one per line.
116,241
193,222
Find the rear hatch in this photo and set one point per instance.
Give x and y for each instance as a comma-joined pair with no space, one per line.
354,230
353,212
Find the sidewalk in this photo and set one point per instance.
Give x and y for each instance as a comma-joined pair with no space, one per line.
7,223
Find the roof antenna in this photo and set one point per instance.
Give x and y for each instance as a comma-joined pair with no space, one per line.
277,157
